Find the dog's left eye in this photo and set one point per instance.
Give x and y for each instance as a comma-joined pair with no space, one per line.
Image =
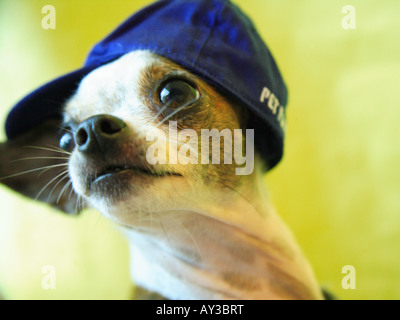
178,93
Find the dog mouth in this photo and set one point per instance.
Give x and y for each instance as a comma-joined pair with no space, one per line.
116,182
110,180
126,168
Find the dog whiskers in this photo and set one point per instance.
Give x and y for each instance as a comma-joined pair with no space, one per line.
49,183
52,149
58,182
80,204
59,149
240,195
77,204
45,168
183,118
38,158
159,113
175,112
67,184
72,191
66,129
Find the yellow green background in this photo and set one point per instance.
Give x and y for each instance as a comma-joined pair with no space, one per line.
338,187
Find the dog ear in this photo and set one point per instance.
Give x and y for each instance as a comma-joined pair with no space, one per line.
34,165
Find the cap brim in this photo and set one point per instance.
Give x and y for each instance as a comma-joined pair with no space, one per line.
44,103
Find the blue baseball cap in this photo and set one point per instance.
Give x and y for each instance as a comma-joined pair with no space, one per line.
213,39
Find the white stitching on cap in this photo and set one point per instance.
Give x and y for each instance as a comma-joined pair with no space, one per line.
274,105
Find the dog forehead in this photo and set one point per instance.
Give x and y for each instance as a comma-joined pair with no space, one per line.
109,87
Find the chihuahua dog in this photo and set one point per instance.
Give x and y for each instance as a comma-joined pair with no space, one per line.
196,230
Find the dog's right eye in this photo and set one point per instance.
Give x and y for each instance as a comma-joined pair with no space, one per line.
67,142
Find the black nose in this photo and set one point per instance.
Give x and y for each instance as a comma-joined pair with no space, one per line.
99,132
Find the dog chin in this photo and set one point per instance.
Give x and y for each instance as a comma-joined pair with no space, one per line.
139,200
138,187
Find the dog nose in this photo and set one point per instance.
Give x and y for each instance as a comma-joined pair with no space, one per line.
99,132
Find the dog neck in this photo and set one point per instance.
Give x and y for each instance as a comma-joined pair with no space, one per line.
232,245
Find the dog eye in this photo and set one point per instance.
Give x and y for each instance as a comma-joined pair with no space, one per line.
178,93
67,142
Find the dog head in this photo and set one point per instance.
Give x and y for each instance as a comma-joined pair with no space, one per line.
125,131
